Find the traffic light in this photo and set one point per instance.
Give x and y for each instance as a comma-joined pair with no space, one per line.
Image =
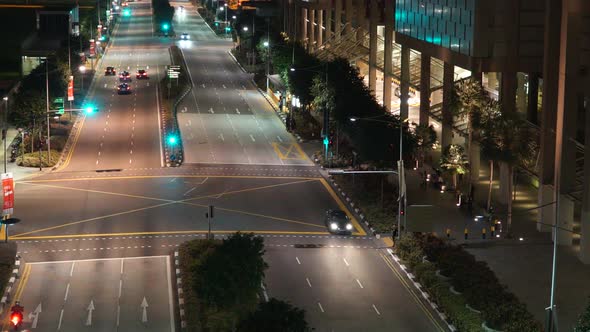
165,26
227,29
126,12
172,140
90,109
216,24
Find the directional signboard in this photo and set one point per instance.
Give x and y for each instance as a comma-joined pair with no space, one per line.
173,71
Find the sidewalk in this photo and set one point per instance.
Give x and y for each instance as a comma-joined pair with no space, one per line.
18,172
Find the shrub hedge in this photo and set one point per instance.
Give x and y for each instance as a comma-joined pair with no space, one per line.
479,287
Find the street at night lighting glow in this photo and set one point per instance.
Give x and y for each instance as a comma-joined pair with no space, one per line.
127,12
265,44
165,26
172,140
89,109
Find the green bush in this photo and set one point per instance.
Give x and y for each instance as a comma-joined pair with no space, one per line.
32,159
583,324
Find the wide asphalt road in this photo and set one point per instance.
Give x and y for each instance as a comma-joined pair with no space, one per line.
124,133
225,120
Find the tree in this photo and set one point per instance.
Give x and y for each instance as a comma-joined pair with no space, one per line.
583,324
275,315
506,139
454,161
28,105
228,280
425,140
471,97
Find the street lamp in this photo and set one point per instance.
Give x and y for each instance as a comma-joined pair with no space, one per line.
82,70
245,29
400,167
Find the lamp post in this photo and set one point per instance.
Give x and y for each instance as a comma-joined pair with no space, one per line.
4,129
402,202
82,70
47,111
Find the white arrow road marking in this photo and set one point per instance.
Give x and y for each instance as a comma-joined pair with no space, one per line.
35,316
90,309
211,111
237,111
144,306
252,138
184,110
105,85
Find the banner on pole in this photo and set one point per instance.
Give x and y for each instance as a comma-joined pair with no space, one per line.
71,88
8,194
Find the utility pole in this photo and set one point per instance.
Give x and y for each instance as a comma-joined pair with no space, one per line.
47,112
4,129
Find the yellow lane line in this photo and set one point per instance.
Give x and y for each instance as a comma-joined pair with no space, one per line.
3,231
93,219
412,293
100,192
73,147
18,293
301,153
271,217
275,146
73,236
355,223
247,189
131,177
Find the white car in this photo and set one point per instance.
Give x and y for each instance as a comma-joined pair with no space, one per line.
185,36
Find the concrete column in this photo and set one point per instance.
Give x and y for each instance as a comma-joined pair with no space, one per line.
585,216
320,28
337,20
424,89
404,83
567,109
550,78
311,34
360,20
533,98
387,70
447,116
348,12
508,92
373,46
303,35
328,25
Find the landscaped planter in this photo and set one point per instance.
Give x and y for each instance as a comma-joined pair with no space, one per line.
488,329
443,277
472,309
452,289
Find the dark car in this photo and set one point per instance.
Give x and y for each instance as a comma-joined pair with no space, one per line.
338,222
185,36
124,76
123,89
110,71
141,74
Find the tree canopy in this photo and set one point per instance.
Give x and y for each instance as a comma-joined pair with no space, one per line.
275,315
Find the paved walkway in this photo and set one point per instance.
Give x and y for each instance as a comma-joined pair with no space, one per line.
18,172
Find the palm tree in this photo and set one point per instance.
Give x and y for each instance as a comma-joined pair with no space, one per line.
454,161
425,140
471,97
505,139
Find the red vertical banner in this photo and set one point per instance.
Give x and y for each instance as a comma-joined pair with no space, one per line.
92,48
8,194
71,88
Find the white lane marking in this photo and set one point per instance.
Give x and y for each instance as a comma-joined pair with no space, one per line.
189,191
359,282
67,291
297,259
223,86
221,136
97,161
118,313
280,139
72,269
377,311
252,138
190,123
321,308
308,282
122,266
120,287
99,153
105,85
61,316
345,261
203,85
211,111
148,83
238,111
130,151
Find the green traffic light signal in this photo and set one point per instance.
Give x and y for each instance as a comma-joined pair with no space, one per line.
89,109
127,12
172,140
216,24
228,29
165,26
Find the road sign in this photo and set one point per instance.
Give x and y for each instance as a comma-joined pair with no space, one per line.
58,104
7,193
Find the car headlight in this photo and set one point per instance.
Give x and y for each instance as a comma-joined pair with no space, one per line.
334,226
349,227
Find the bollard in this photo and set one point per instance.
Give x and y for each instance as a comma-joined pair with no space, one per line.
466,233
483,233
448,231
492,230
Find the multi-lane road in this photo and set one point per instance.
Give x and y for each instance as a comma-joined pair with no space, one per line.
96,234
